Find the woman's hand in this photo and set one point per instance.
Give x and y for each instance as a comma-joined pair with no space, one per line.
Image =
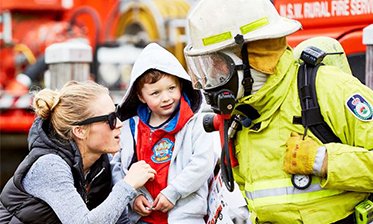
139,174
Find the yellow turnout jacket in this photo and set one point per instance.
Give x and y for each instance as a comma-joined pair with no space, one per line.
260,149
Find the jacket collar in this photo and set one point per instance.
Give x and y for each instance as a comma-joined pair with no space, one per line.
176,122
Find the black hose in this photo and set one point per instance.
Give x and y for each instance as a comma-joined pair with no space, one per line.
36,71
110,20
96,19
225,161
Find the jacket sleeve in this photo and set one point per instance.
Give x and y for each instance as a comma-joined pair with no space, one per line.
350,163
121,160
116,168
200,167
50,179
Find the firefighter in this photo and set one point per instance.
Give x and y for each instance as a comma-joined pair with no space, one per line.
286,173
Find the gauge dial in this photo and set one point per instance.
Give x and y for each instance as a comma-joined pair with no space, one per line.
301,181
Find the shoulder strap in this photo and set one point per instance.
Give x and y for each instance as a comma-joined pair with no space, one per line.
311,115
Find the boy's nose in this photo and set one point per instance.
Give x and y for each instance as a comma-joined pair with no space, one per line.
166,97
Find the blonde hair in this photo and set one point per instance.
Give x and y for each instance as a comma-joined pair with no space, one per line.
67,106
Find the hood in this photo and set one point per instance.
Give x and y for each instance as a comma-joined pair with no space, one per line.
273,93
156,57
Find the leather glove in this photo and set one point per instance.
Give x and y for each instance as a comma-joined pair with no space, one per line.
300,154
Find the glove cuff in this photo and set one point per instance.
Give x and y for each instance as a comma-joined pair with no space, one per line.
320,155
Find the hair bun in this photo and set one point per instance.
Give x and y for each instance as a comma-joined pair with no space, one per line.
44,102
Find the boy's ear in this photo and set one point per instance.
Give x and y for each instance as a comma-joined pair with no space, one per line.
140,98
79,132
181,84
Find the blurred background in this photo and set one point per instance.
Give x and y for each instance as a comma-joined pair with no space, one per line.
117,31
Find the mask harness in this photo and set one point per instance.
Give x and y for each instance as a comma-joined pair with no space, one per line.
248,80
222,101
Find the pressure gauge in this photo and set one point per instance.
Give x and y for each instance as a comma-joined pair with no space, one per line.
301,181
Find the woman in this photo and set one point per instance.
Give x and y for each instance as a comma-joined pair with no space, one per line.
66,176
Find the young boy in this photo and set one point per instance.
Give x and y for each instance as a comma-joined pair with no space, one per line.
163,127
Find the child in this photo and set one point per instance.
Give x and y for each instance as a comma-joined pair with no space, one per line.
163,127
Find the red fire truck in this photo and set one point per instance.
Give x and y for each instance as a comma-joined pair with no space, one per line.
116,30
343,20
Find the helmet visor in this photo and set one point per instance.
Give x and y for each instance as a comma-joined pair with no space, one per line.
210,70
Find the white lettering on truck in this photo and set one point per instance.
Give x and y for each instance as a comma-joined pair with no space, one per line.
324,9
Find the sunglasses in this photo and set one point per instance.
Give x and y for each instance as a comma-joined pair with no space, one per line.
110,118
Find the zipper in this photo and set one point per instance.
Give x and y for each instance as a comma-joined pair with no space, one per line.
94,178
151,135
85,196
87,188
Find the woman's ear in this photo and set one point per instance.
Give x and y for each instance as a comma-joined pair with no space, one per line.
79,132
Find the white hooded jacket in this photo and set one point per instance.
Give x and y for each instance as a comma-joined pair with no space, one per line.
193,158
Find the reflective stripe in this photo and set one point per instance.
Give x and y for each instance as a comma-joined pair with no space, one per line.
254,25
281,191
217,38
295,198
319,159
270,184
9,101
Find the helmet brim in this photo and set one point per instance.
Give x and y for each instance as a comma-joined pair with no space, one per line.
282,27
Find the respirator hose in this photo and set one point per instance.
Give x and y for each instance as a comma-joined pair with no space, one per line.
225,163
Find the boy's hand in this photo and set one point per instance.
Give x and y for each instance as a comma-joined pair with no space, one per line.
140,206
161,203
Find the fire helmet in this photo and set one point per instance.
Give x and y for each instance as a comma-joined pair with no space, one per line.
217,26
213,24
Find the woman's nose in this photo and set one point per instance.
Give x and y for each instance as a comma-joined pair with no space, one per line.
119,123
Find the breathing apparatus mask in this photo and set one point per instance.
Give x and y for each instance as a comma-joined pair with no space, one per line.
224,78
221,75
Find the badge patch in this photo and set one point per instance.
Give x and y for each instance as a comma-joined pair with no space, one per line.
359,107
162,151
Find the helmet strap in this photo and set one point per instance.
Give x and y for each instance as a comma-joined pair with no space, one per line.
248,80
